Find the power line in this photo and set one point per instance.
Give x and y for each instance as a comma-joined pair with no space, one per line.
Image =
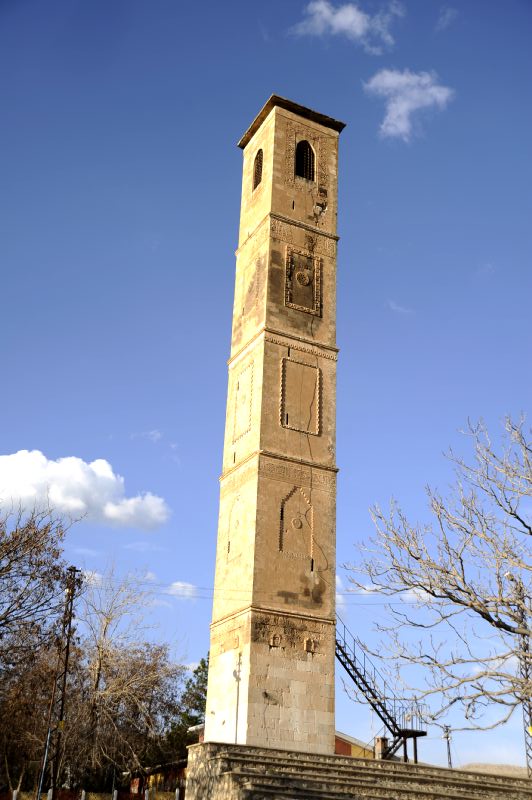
193,592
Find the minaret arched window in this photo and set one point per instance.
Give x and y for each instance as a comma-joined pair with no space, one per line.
257,169
304,160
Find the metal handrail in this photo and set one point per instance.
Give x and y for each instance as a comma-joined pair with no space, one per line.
402,718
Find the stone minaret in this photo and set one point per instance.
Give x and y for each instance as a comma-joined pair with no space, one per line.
271,674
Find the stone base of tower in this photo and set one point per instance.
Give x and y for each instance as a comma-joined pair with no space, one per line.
238,772
271,681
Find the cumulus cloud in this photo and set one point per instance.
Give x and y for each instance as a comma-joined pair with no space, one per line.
373,33
74,487
446,17
186,591
406,93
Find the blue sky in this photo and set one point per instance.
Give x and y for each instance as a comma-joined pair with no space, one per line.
119,206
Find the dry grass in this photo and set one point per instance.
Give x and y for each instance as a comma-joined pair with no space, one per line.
497,769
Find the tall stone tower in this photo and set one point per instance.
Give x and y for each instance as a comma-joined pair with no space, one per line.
271,673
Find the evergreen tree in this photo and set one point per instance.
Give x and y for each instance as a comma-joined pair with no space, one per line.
191,712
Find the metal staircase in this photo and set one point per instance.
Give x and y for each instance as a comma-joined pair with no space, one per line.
402,718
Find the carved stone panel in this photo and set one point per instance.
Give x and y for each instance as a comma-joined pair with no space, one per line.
322,149
290,154
243,402
316,243
304,476
295,538
303,281
300,396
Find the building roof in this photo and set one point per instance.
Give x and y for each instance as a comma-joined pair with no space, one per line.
295,108
352,740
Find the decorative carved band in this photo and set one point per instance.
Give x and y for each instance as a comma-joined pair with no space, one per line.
318,243
303,476
314,351
290,154
290,633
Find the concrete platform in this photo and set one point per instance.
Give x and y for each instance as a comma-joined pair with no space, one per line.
237,772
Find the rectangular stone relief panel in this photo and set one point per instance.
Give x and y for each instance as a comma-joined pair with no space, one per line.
303,281
243,403
300,396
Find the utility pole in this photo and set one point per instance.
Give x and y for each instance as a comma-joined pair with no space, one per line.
56,710
447,737
524,659
525,671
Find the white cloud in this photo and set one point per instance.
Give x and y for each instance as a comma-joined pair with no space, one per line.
340,589
143,511
92,578
507,663
406,93
156,602
86,551
369,588
186,591
446,17
371,32
150,576
79,489
416,596
397,309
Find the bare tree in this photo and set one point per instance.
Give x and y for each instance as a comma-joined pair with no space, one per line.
31,573
24,706
122,694
460,586
122,691
132,686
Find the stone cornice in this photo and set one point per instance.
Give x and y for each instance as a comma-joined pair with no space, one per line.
278,612
269,333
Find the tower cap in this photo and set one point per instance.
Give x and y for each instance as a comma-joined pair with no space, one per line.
295,108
